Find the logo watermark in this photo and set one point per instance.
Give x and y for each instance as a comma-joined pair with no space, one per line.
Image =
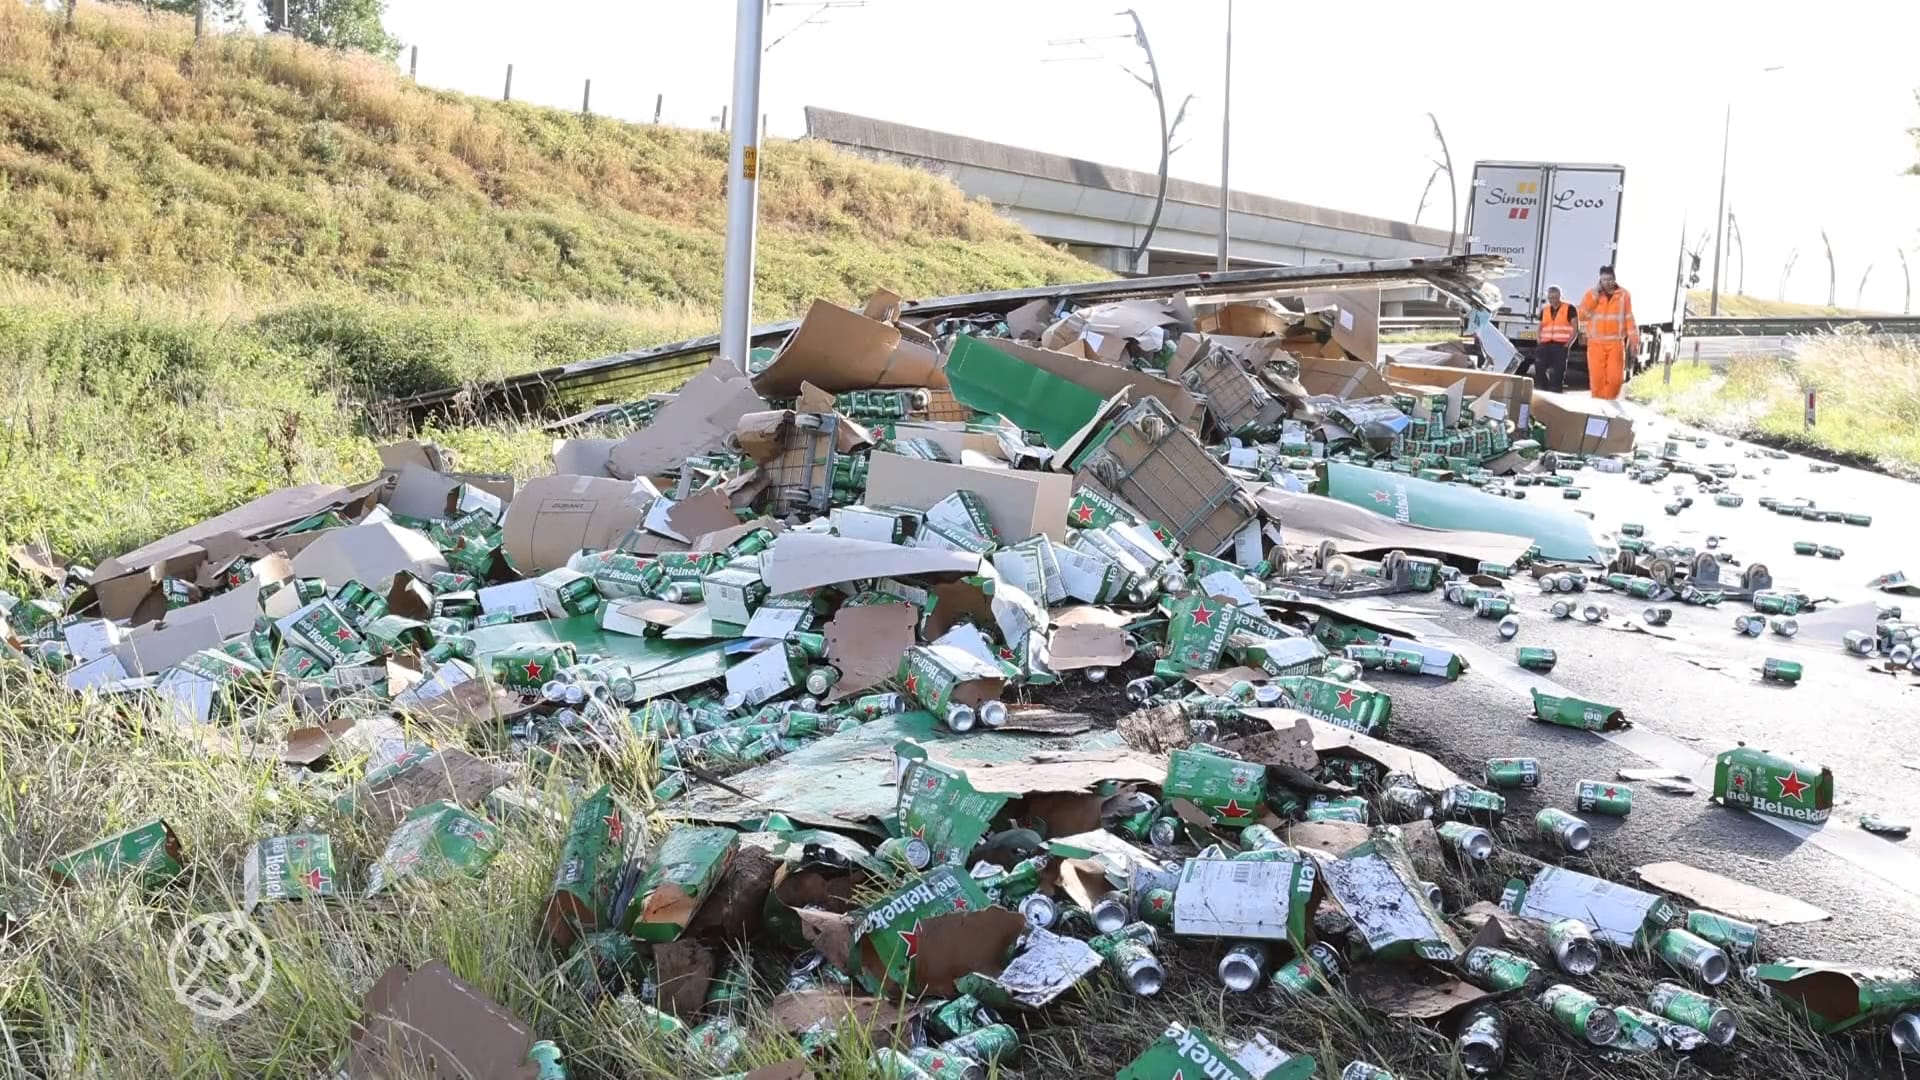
218,965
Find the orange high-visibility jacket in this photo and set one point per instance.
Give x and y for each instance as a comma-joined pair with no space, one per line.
1609,319
1556,328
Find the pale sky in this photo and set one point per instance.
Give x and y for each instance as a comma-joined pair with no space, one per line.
1329,99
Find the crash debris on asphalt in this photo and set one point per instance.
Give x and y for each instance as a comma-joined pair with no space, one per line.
829,604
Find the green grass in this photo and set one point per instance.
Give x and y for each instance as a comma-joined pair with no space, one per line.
213,258
1738,304
128,156
1868,392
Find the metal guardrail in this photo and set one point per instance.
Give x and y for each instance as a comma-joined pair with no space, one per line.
1415,323
1798,325
627,375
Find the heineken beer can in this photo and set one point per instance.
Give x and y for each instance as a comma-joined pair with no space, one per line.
1580,1014
1499,970
1469,842
1514,772
1740,939
1750,625
1574,949
1509,628
1697,1011
1688,952
1482,1042
1780,671
1784,626
992,1044
1564,829
1244,966
1657,616
1600,797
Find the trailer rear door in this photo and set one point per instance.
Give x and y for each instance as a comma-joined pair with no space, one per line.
1583,226
1504,218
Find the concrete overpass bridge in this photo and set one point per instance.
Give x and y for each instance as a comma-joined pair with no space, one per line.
1099,212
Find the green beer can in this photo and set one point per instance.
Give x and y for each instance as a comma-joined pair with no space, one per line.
1513,772
1499,970
1580,1014
529,666
1780,671
1564,829
1740,939
1601,797
1805,547
1697,1011
1694,955
1536,659
991,1044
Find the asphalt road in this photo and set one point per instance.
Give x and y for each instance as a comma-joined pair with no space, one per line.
1696,690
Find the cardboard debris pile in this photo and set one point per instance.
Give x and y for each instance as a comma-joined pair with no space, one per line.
825,600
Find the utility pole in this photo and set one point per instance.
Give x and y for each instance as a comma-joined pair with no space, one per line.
413,64
1720,215
199,20
659,102
1906,305
1226,141
586,99
1740,261
1453,187
1830,274
507,94
743,184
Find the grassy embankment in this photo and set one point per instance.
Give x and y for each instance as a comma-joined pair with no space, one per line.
212,256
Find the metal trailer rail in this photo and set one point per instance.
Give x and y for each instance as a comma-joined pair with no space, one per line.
1799,325
629,375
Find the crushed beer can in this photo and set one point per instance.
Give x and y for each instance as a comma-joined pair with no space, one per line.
1573,947
1580,1014
1499,970
1681,1005
1481,1041
1740,939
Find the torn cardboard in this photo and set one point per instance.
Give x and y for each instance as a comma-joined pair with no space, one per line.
1019,503
1087,645
1583,425
429,1022
1410,996
1727,896
798,561
840,350
370,554
865,644
697,421
552,517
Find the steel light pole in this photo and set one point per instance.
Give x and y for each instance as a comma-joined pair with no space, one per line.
1226,141
1720,215
743,183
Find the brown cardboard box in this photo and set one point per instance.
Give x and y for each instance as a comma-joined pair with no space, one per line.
1341,378
431,1023
554,516
1583,425
283,507
697,420
1513,391
1245,320
370,554
840,350
1356,319
1020,503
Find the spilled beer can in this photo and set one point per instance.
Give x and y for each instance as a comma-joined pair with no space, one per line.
1694,955
1601,797
1499,970
1740,939
1574,949
1482,1041
1580,1014
1514,772
1780,671
1469,842
1697,1011
1564,829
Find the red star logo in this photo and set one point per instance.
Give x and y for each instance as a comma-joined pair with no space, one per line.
1233,809
1179,1074
1085,514
1159,903
615,826
1611,792
1240,780
1006,653
1739,781
314,879
480,836
932,782
533,669
959,903
937,1064
234,579
921,832
1791,786
344,633
1202,615
1160,535
1347,698
1383,497
913,684
912,939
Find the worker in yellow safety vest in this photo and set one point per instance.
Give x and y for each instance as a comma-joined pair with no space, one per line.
1559,323
1606,314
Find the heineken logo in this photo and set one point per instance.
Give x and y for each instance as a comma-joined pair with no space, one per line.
1202,615
920,895
1233,809
1347,698
911,939
1791,786
913,684
615,827
1195,1049
1764,805
1159,902
1084,515
533,669
1383,497
344,634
